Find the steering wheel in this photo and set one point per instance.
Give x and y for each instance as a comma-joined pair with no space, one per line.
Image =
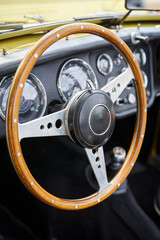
88,119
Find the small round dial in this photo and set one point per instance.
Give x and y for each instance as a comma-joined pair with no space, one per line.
104,64
140,56
33,100
74,76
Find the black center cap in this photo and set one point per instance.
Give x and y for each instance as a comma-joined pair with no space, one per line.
99,119
91,118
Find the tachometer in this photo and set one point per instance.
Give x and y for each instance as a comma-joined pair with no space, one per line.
73,77
33,101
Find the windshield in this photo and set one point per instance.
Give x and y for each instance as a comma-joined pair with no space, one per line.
55,10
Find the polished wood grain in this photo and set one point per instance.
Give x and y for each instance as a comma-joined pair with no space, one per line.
13,111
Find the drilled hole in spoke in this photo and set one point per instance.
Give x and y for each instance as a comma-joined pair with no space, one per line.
94,151
97,159
58,123
114,90
99,166
118,85
42,127
49,125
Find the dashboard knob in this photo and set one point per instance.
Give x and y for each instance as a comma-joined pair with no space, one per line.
119,102
136,37
142,38
131,98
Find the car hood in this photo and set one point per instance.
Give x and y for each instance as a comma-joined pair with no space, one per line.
53,10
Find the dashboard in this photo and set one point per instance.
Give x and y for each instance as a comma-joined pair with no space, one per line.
74,64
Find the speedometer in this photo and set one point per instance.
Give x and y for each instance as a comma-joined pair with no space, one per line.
33,100
73,77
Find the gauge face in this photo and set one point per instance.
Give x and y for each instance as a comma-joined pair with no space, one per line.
140,56
104,64
33,100
73,77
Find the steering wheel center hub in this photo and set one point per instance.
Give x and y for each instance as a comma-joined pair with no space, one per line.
99,119
91,118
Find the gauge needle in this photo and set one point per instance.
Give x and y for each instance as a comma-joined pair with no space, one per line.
90,84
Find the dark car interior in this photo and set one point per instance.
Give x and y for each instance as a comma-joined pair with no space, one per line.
61,167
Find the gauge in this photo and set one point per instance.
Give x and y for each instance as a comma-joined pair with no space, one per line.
33,100
145,79
117,61
104,64
140,56
73,77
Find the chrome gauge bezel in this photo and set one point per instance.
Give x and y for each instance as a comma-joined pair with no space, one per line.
77,61
34,78
1,83
110,62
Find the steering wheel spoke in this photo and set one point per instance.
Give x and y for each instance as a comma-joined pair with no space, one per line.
118,84
50,125
97,161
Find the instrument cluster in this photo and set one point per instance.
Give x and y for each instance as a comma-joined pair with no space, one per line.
74,75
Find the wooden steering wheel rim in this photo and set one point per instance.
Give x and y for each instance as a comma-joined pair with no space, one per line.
12,114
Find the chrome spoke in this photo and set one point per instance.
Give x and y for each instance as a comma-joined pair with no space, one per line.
50,125
97,161
118,84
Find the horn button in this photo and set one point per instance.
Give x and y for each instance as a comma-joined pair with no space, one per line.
91,118
99,119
